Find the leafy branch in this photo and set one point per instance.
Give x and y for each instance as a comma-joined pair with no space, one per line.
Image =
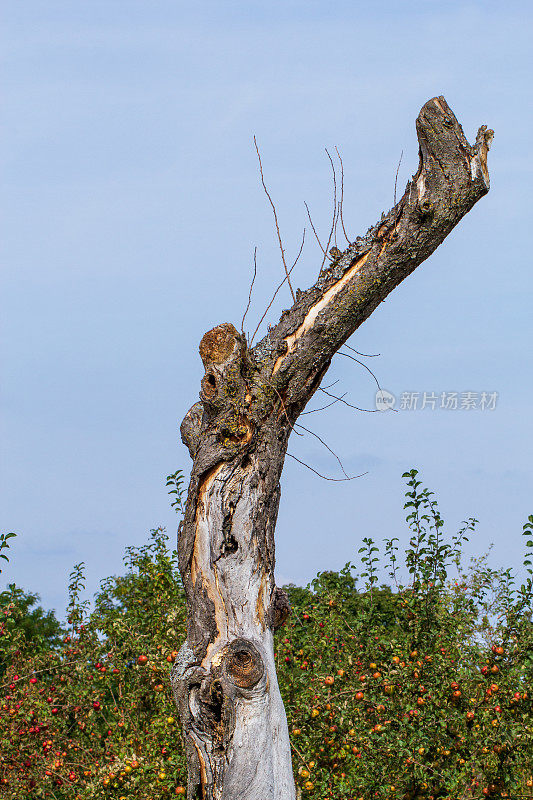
4,545
176,481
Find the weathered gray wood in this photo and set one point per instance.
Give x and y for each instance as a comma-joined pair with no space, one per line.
224,679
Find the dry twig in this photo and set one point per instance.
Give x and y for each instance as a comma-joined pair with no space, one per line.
396,178
341,203
334,220
323,408
365,355
347,355
275,220
313,227
336,480
250,292
350,405
333,453
279,287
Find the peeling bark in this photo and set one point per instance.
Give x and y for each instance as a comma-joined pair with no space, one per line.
224,679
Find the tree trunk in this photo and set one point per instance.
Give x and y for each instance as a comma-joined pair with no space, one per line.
224,679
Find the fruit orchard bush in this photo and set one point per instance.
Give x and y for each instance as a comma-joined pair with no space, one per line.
96,718
395,693
27,624
417,689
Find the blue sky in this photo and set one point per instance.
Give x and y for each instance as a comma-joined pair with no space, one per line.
132,206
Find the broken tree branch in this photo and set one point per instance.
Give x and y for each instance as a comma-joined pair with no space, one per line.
451,177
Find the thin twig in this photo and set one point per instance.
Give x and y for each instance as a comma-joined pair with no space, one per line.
336,480
299,253
313,227
250,292
273,298
341,204
275,220
335,209
347,355
396,178
323,408
334,221
333,453
366,355
298,752
350,405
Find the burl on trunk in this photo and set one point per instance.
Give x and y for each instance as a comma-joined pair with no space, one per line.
224,680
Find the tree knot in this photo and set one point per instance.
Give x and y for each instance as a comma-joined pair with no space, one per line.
221,344
243,664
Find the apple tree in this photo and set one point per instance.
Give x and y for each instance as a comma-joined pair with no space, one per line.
224,679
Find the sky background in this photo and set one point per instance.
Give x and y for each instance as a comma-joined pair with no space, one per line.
131,208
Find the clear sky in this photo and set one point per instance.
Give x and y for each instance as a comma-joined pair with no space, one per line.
132,206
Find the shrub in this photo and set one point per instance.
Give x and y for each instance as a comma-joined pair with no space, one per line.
418,688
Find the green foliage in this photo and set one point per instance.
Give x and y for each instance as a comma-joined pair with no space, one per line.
417,689
4,545
26,625
421,691
96,718
176,481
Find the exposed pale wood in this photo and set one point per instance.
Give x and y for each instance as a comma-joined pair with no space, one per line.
224,679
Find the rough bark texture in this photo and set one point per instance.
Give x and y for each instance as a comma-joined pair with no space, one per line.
224,679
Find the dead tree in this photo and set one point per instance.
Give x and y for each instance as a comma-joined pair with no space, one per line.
224,680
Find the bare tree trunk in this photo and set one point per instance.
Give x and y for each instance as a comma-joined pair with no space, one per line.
224,679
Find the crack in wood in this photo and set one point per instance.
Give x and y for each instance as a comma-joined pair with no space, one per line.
314,311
